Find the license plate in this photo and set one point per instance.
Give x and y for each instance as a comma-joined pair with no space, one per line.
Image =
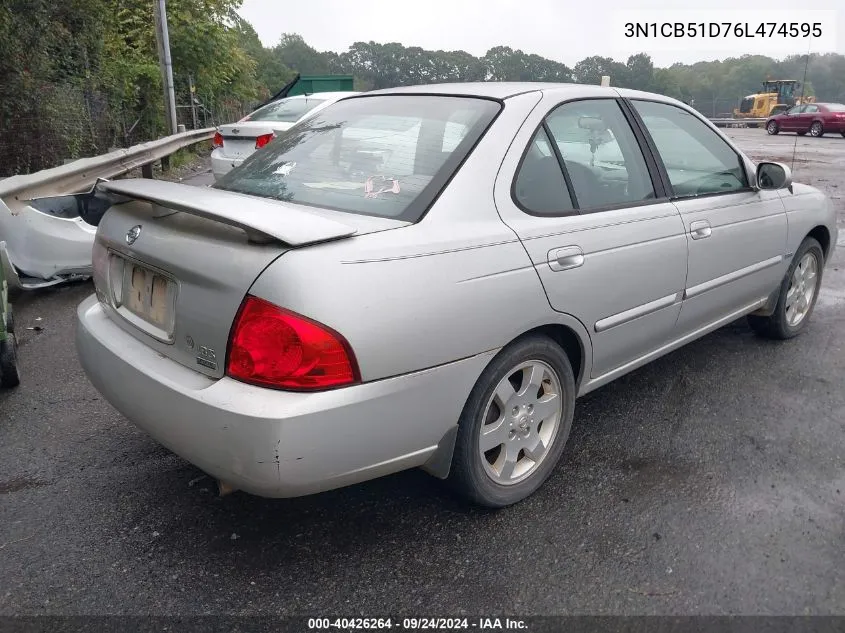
148,296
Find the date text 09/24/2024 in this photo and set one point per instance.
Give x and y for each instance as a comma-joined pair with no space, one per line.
416,624
713,30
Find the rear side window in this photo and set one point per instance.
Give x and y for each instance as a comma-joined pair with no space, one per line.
385,155
540,187
698,160
286,110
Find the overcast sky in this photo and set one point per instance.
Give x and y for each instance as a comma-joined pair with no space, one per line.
564,30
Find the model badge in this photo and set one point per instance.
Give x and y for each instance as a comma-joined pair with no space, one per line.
236,130
133,234
207,357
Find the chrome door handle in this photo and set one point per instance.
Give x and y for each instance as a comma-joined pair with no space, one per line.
566,258
700,229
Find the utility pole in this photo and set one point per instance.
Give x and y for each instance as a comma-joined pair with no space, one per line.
163,41
193,91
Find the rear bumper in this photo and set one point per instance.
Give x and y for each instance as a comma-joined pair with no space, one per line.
274,443
43,246
222,165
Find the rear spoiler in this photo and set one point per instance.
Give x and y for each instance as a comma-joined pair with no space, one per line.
261,218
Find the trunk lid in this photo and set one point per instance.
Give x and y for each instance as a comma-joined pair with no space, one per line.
172,263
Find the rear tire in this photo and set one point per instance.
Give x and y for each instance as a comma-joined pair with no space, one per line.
797,296
772,128
817,129
521,407
9,373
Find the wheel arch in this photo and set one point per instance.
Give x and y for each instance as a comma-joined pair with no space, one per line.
822,235
564,330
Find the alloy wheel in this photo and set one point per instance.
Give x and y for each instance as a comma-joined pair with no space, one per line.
802,289
521,421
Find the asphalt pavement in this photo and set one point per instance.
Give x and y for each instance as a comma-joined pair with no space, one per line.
711,481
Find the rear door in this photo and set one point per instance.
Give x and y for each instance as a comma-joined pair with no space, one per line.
737,235
608,246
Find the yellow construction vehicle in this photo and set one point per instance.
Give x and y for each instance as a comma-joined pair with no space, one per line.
778,95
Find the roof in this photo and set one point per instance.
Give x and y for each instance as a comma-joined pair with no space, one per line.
490,89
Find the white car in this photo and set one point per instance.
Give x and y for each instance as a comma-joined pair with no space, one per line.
234,142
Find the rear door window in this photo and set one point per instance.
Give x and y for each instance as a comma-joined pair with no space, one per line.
385,155
600,153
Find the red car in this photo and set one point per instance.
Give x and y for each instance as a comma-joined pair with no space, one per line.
815,118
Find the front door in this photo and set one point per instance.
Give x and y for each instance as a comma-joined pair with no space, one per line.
791,121
737,234
609,248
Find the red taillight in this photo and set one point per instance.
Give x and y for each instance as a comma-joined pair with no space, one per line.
218,140
272,347
262,140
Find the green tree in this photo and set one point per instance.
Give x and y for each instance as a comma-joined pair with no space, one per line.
591,69
293,52
640,72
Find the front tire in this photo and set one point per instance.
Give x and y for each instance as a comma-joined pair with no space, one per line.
515,423
817,129
772,128
797,298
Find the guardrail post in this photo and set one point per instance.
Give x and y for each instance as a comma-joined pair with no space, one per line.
147,170
165,163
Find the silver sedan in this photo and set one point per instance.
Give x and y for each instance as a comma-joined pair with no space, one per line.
429,277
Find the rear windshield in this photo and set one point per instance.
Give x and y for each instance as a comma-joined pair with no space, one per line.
385,156
286,110
835,107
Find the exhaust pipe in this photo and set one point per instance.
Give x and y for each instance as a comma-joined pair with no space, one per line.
224,488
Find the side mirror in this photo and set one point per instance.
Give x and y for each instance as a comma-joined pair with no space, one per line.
772,176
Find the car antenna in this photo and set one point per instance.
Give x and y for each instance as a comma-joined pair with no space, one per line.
803,88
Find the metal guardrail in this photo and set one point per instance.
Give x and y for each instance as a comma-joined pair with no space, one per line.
80,175
738,122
